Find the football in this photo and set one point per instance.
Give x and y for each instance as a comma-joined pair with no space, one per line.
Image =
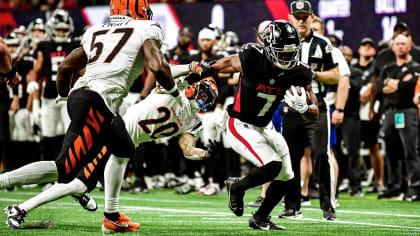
298,89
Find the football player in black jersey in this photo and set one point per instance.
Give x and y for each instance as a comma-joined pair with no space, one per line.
268,72
49,54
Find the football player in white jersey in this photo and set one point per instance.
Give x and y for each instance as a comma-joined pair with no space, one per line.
114,54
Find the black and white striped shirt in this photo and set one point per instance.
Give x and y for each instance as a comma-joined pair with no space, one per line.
317,53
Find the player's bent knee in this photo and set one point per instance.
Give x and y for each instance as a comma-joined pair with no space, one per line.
77,187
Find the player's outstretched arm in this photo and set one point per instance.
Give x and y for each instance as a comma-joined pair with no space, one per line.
74,62
313,111
158,64
187,144
230,64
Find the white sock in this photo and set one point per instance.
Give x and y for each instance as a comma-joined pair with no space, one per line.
53,193
33,173
114,174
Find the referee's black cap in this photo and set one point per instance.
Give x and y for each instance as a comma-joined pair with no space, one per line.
301,6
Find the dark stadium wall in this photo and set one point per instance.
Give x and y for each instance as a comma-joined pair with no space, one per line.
351,20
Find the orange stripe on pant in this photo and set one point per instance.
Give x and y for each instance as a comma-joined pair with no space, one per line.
91,120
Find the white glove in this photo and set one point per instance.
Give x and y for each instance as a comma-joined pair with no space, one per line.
59,99
32,87
295,101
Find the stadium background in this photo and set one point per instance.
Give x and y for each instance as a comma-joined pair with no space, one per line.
349,20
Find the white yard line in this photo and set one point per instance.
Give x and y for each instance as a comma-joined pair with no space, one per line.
365,213
208,215
134,208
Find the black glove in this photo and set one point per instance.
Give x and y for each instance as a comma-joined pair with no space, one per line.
192,78
211,148
207,69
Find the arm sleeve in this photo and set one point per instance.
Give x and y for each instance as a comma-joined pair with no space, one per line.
154,31
343,67
247,55
380,82
327,58
407,87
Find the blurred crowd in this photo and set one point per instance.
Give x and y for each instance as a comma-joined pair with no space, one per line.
46,5
379,155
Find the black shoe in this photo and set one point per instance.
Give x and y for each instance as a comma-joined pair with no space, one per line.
389,194
305,200
15,216
86,201
266,224
257,203
358,193
236,201
291,214
329,214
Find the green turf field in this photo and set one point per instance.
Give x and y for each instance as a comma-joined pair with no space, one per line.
161,212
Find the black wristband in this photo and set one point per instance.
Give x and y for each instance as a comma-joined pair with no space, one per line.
339,110
175,94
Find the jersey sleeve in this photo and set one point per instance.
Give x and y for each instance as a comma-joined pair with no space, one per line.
305,76
194,127
248,55
86,40
327,58
154,31
343,67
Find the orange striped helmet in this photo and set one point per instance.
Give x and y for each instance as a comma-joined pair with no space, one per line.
136,9
204,92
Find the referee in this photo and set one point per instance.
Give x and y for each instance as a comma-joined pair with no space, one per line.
316,52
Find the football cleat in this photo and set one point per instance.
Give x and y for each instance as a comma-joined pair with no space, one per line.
265,224
123,224
257,203
291,214
15,216
86,201
329,214
236,201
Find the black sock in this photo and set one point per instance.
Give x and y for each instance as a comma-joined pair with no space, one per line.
274,194
260,175
112,216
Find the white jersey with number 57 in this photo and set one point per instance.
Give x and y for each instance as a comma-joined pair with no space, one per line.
115,57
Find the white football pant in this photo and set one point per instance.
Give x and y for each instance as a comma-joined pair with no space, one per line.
260,145
54,117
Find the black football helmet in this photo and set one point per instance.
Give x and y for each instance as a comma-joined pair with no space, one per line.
281,44
37,24
204,92
60,26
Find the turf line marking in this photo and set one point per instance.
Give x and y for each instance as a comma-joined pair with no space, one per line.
365,213
135,208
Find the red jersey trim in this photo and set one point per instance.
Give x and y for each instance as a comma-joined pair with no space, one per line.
242,140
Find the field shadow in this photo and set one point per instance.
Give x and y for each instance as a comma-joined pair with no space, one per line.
40,225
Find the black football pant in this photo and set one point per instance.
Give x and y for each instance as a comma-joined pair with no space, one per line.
318,132
93,132
350,130
402,160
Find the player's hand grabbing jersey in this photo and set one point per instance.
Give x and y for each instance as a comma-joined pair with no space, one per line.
160,115
262,87
114,56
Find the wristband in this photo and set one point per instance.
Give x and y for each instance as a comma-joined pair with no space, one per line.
339,110
173,89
